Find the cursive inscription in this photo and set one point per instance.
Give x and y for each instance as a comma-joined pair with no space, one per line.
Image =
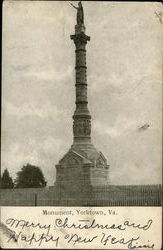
94,225
26,224
75,238
34,238
63,230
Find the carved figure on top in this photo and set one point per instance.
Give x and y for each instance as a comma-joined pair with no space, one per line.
80,13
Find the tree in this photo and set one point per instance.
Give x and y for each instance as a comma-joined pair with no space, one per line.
6,180
30,177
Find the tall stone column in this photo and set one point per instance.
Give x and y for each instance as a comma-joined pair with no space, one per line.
83,166
81,117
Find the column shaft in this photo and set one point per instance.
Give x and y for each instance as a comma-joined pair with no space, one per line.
82,118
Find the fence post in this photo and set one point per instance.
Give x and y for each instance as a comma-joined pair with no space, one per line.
35,200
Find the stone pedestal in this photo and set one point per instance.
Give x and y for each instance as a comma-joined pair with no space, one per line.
80,169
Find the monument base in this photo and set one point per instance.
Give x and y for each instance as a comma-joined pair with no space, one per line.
80,169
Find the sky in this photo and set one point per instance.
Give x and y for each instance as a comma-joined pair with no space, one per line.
124,86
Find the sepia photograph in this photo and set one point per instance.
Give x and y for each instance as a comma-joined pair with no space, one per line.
81,104
81,144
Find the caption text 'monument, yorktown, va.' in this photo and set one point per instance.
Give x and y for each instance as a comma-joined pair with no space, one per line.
80,212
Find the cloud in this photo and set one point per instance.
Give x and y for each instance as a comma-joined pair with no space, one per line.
45,154
20,67
133,169
43,111
50,75
121,127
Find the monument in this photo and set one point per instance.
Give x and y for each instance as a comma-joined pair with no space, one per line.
83,166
